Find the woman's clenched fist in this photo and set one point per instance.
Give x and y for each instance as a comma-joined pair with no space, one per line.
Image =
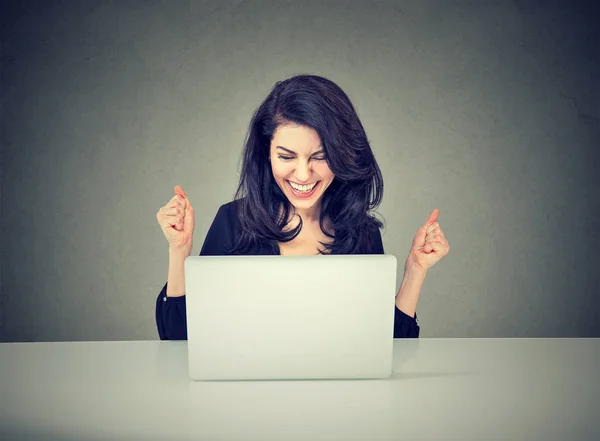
176,219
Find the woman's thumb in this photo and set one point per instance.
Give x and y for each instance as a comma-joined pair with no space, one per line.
180,192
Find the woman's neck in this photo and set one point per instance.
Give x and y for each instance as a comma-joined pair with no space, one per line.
310,215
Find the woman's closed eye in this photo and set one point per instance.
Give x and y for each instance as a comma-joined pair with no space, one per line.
289,158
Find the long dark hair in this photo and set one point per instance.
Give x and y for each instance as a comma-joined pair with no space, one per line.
356,190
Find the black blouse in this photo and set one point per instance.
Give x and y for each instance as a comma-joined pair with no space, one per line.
223,233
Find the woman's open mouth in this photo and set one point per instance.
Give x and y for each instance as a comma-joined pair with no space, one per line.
303,191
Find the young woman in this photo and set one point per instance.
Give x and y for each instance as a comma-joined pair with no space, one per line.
308,185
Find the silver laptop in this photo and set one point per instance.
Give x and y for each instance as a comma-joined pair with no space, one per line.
290,317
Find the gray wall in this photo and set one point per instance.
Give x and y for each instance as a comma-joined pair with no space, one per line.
486,109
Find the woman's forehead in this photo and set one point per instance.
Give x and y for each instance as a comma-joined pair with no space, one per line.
296,138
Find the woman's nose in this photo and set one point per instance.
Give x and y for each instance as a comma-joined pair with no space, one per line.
302,172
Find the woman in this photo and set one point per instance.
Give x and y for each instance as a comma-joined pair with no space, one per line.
308,184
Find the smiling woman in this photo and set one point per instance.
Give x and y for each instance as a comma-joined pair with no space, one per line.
306,132
298,177
302,174
309,183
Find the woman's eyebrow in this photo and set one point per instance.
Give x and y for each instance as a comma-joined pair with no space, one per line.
287,150
293,152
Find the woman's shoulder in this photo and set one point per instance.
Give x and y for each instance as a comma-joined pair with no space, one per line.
228,214
223,232
228,227
229,208
376,242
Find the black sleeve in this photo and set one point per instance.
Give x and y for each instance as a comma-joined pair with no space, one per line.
170,311
405,326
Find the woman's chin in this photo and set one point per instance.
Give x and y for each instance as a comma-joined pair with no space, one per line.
304,204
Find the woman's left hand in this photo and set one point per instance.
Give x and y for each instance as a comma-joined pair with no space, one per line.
428,246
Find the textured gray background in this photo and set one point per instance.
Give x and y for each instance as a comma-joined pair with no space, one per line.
486,109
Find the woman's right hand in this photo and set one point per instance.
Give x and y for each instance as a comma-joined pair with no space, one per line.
176,219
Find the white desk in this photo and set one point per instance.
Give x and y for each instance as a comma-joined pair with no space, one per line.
460,389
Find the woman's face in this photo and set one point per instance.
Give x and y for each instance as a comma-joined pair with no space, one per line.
299,166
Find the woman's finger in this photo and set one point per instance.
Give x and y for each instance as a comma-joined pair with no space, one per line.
436,247
432,227
433,237
176,201
167,221
437,238
171,211
438,232
441,247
